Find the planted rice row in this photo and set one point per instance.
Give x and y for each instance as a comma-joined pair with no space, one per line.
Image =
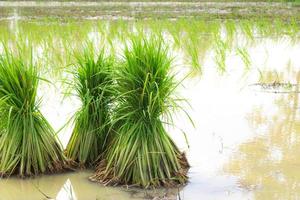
194,38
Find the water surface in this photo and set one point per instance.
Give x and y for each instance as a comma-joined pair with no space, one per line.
245,143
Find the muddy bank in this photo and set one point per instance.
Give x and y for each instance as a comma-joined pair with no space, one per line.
133,10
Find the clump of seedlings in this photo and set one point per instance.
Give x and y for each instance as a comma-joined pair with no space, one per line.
141,152
28,144
94,87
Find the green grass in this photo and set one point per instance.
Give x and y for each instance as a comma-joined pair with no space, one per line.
94,86
141,152
28,145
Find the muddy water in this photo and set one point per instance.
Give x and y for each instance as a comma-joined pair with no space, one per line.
244,145
268,164
71,186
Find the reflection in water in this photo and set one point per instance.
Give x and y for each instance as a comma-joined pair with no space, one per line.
66,192
31,189
218,110
269,164
266,165
75,186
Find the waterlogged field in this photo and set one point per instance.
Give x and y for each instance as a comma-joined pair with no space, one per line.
241,77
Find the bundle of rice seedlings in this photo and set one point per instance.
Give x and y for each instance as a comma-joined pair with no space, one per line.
28,145
141,152
93,85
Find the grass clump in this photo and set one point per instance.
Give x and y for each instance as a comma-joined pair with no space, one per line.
141,152
93,85
28,145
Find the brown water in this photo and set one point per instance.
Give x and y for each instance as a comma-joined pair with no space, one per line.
268,164
245,144
71,186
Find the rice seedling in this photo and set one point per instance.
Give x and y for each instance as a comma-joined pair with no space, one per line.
197,42
94,87
28,145
141,152
293,31
230,28
270,77
175,32
244,55
264,28
247,28
221,53
192,49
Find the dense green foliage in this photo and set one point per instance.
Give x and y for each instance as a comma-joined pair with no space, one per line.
28,145
94,87
142,153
